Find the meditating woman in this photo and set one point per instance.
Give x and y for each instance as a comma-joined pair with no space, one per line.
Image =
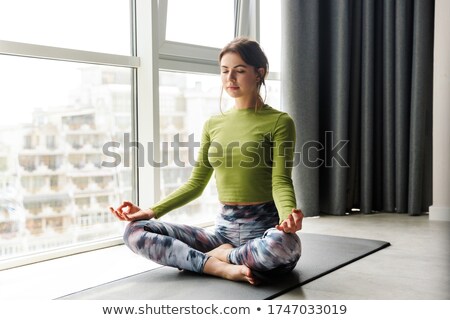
250,150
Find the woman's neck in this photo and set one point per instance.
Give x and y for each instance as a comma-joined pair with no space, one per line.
245,103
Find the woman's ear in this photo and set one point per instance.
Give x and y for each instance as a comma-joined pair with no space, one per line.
261,73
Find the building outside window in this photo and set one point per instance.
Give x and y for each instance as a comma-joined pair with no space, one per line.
59,113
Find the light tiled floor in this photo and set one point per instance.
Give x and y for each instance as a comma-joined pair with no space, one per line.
416,266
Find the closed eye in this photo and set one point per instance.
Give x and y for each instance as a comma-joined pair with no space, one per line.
238,71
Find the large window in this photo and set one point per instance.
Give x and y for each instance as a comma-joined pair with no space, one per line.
61,106
54,189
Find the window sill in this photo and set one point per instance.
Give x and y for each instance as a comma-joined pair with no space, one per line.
58,277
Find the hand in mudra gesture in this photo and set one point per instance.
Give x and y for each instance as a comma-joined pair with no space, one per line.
128,211
292,223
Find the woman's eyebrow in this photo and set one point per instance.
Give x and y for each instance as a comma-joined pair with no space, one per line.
238,66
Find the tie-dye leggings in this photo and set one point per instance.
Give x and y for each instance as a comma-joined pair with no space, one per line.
249,228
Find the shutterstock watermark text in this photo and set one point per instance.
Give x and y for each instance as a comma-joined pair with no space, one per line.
312,154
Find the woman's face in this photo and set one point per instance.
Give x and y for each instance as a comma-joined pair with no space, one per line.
239,79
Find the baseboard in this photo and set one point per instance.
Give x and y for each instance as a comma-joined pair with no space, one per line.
439,213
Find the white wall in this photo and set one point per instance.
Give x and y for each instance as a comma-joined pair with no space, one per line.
440,210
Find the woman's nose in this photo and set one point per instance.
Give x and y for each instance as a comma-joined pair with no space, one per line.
231,75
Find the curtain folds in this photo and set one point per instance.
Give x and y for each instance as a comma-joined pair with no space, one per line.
357,79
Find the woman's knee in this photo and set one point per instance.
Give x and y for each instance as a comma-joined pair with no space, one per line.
286,246
131,230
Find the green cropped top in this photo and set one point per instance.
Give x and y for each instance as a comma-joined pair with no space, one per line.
251,154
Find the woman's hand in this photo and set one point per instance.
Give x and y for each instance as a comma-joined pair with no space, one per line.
128,211
292,223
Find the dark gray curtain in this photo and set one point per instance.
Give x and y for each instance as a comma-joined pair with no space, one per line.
357,78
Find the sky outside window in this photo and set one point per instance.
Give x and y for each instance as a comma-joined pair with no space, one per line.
201,22
92,25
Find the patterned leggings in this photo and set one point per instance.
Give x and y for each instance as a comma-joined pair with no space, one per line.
248,228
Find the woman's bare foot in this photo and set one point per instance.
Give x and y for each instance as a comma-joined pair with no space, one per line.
221,252
218,268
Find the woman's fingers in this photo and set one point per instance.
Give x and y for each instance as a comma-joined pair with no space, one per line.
125,205
120,213
116,213
298,222
292,223
298,218
125,211
287,225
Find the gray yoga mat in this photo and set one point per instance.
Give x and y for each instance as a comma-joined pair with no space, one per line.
321,254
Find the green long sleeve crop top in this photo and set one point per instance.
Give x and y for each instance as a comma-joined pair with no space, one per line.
251,154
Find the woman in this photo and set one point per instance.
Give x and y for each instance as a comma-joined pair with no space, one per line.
249,148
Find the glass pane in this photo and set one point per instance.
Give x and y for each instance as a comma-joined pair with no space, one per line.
270,32
201,22
93,25
54,185
273,97
186,102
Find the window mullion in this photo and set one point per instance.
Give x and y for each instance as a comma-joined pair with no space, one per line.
162,21
247,19
147,87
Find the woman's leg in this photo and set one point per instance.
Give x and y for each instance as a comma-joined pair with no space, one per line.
257,245
276,251
183,247
170,244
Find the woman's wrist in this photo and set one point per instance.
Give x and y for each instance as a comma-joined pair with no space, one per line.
150,213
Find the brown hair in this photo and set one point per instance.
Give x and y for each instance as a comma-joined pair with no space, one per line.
250,51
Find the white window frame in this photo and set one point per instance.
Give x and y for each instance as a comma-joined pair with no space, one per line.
20,49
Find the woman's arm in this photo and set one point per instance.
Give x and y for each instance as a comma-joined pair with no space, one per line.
283,161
